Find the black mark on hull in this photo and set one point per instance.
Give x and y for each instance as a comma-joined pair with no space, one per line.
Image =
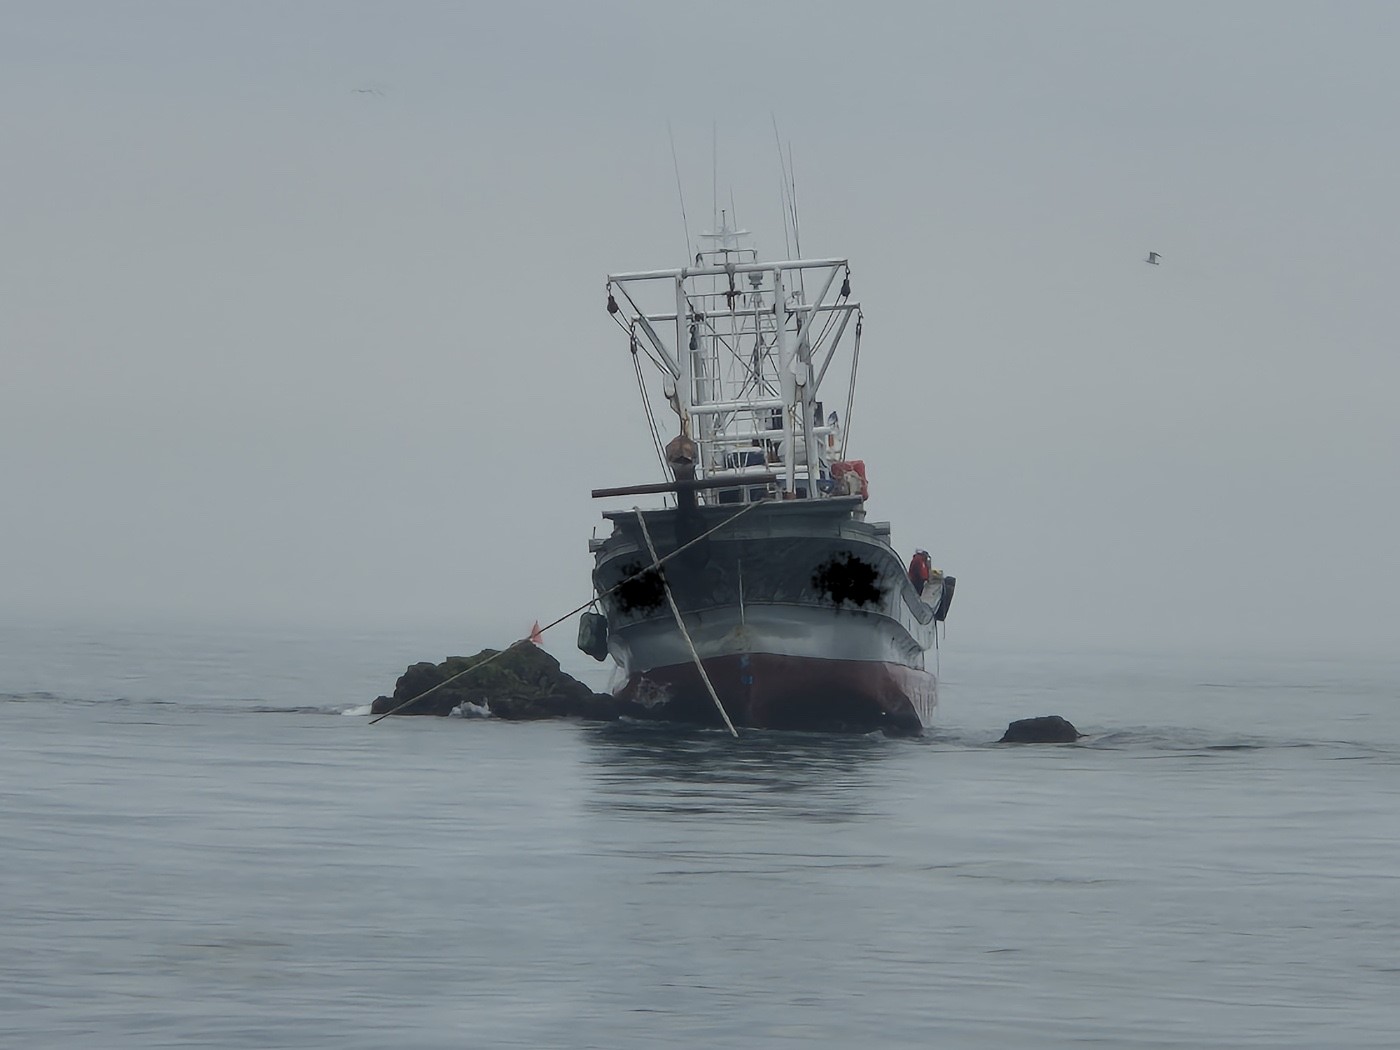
845,578
646,591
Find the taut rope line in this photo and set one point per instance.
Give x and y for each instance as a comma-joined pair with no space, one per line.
680,625
657,563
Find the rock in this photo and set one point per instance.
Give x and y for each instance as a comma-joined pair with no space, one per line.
521,684
1048,729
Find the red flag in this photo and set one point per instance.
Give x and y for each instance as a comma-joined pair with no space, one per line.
535,635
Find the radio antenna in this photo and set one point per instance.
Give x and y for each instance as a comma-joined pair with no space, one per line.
676,164
782,186
796,224
714,169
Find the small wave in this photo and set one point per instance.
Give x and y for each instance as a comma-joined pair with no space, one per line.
301,709
264,708
1197,741
471,710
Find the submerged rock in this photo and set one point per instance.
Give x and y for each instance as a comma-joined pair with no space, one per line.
1048,729
523,683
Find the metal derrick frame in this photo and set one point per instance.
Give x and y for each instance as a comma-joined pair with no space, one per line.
797,352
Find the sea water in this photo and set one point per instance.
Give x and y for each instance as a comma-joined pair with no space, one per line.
204,842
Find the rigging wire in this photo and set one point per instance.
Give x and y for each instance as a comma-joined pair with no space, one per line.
572,612
646,405
830,317
645,348
634,344
851,393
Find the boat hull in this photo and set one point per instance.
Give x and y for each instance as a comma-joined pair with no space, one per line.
800,613
768,691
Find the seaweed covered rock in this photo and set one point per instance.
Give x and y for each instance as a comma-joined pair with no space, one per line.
524,682
1048,729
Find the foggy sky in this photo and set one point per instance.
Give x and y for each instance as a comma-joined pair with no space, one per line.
278,349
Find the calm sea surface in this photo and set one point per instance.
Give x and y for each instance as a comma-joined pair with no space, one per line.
205,843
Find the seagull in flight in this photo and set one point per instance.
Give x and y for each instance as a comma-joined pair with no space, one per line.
1153,258
370,89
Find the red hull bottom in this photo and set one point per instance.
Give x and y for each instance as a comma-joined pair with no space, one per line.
764,691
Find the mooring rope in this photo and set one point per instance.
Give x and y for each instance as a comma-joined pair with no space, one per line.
657,563
680,625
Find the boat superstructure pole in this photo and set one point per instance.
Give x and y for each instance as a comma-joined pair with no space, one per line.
787,380
807,384
685,357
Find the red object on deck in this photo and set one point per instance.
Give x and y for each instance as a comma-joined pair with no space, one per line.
845,466
920,567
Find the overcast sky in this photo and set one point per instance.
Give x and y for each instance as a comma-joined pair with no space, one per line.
301,305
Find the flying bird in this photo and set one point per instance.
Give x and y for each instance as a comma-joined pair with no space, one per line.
1153,257
372,89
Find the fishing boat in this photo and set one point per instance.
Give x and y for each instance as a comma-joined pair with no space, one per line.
757,593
